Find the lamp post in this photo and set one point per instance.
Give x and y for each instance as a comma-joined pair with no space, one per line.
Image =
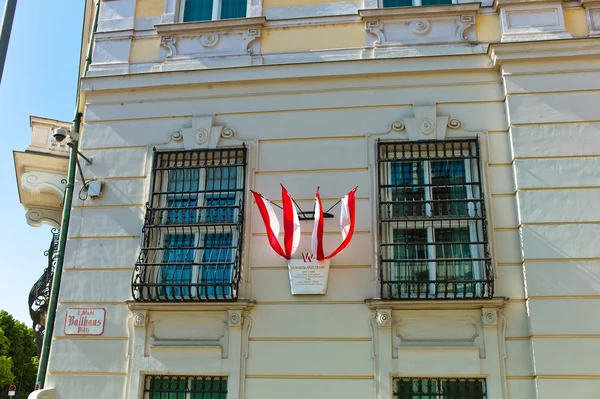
7,22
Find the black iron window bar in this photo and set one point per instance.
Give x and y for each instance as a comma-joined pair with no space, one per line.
185,387
439,388
193,227
432,223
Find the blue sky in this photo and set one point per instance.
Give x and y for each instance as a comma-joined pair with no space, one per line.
40,78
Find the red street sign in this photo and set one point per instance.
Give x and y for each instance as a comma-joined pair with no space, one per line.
12,388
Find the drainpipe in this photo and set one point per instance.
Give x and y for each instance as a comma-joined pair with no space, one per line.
64,225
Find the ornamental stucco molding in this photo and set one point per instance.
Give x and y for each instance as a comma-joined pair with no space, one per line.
236,37
420,25
532,21
37,182
38,216
426,124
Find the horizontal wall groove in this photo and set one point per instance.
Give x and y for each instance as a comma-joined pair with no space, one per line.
331,267
302,339
310,377
90,303
124,147
555,123
114,178
98,269
87,338
318,91
100,237
108,206
319,138
289,172
316,302
90,373
534,93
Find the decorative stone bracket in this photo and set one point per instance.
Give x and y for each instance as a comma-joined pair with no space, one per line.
420,25
426,124
211,38
202,133
38,182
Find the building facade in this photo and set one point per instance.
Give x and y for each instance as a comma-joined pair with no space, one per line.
471,131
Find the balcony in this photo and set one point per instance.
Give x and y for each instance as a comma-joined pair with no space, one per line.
41,173
39,296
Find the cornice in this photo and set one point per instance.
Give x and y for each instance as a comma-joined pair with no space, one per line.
210,26
496,302
239,305
412,12
537,50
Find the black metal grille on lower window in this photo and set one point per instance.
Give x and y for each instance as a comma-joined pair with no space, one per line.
185,387
193,228
432,222
439,388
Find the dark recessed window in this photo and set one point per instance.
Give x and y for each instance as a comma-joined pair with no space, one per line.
432,223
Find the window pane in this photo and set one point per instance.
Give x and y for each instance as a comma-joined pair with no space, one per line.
185,387
440,388
412,248
216,265
448,180
182,186
408,199
397,3
435,2
454,269
197,10
233,9
220,194
179,256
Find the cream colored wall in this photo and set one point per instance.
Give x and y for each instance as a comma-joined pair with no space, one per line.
576,22
553,137
322,345
488,28
308,38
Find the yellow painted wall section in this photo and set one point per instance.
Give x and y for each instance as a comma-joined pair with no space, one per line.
305,38
488,28
149,8
144,50
292,3
576,21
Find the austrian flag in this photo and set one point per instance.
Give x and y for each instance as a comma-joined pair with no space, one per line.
291,224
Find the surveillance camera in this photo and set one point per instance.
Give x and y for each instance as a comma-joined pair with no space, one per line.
60,134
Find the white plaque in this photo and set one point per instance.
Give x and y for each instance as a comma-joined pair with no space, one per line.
85,321
308,276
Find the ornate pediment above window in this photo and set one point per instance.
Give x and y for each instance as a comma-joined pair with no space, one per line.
420,25
230,37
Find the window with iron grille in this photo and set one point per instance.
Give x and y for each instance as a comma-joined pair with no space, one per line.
193,228
432,223
185,387
439,388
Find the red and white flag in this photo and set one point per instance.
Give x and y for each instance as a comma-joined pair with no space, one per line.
347,222
291,224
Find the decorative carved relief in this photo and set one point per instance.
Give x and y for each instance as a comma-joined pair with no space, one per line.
420,27
38,216
426,124
490,317
437,25
139,319
38,182
466,25
235,318
235,37
384,317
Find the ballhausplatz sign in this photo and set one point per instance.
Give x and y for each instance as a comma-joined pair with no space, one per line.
85,321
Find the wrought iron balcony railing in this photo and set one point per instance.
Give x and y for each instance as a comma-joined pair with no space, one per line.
432,222
40,293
